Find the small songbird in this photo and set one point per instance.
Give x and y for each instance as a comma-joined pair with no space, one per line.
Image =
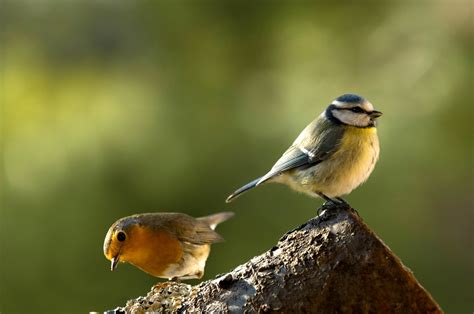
332,156
166,245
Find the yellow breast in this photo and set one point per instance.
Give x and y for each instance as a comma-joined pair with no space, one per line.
352,164
346,169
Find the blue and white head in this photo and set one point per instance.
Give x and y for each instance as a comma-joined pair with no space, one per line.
352,110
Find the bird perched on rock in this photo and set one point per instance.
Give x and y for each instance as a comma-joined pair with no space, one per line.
332,156
165,245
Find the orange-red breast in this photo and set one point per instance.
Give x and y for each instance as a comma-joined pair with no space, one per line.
165,245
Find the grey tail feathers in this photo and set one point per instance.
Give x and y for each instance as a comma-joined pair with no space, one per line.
243,189
214,220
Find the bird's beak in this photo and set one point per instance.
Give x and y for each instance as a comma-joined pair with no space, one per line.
114,262
375,114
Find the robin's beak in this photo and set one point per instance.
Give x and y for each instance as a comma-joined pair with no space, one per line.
114,262
375,114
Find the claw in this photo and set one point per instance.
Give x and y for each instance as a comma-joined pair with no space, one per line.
336,202
325,206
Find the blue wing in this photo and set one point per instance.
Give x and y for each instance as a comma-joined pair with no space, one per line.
315,144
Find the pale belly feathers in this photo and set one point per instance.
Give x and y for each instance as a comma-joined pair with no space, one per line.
192,264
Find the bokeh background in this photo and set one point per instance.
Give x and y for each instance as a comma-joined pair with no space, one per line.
110,108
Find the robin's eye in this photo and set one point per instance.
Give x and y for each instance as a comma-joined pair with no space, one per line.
357,110
121,236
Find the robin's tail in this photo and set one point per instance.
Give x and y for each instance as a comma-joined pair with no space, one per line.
214,220
243,189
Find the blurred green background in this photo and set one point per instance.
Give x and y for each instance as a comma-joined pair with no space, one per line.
111,108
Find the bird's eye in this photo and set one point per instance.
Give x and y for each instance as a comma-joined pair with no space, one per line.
357,110
121,236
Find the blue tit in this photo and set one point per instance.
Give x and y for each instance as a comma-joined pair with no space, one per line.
332,156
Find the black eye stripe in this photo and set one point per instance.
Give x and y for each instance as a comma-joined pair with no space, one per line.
354,109
358,110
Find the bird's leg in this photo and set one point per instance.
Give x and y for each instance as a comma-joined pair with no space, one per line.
337,201
326,198
327,204
342,201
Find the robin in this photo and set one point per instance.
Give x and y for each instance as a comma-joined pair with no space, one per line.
165,245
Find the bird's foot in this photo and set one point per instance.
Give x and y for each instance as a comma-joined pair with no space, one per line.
326,205
336,202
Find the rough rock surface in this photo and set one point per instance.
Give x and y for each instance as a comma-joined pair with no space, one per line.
331,264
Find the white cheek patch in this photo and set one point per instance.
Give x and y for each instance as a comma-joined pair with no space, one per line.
352,118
